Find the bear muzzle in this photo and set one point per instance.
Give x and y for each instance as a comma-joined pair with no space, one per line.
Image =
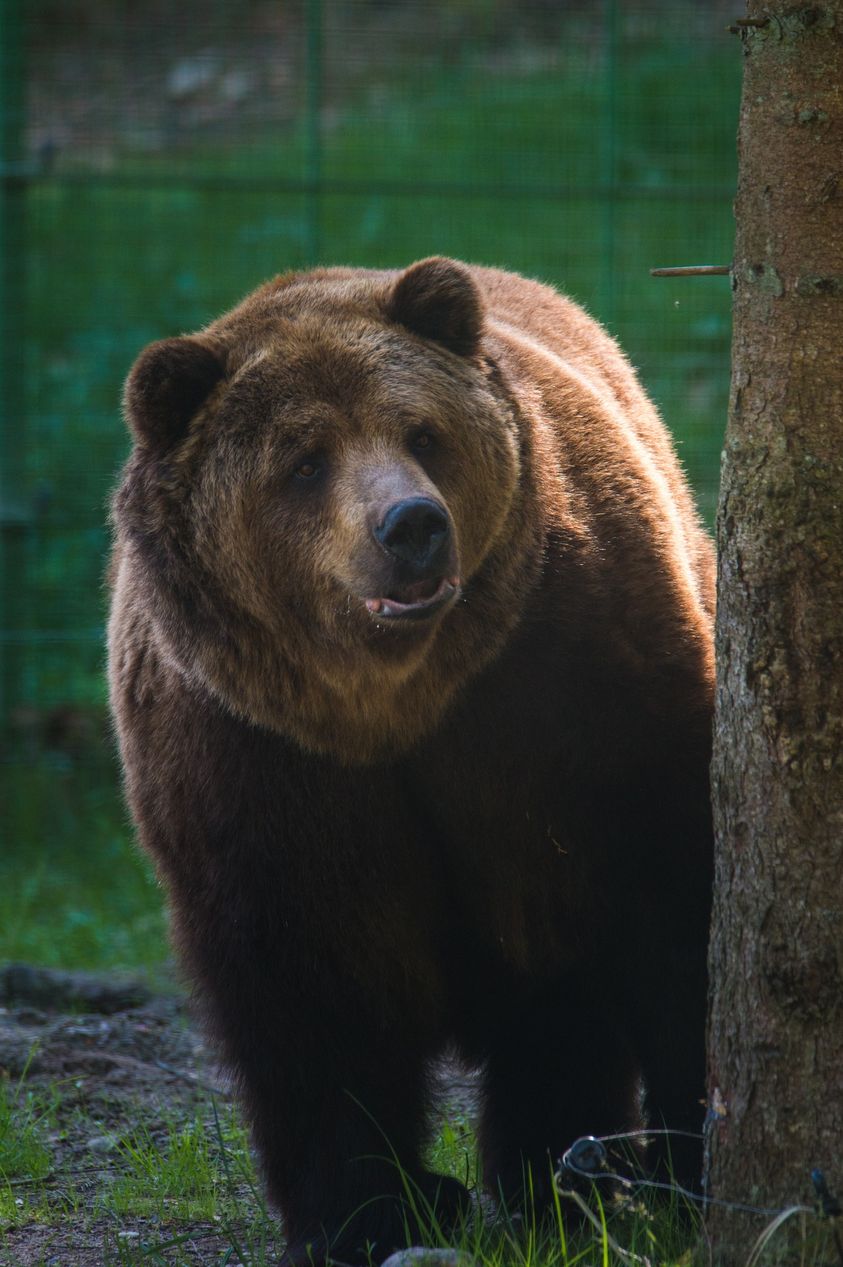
416,535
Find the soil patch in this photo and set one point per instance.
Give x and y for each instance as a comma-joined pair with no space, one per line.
141,1157
91,1064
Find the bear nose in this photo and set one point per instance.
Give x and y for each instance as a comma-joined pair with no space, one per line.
417,532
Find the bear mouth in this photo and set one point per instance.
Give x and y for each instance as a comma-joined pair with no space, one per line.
416,601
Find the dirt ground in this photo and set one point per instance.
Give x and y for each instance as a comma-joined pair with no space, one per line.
107,1056
99,1060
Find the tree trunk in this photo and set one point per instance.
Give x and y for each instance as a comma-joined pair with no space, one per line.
776,962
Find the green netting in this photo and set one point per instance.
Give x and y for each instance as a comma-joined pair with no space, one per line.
160,160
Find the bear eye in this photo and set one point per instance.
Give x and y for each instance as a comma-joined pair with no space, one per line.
423,440
308,470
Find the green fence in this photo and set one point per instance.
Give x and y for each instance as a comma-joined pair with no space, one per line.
159,160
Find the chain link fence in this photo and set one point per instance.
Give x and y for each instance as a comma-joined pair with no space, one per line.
158,161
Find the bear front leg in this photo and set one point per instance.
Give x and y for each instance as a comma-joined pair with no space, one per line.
305,911
336,1095
344,1169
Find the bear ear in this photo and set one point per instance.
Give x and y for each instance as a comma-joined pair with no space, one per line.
166,386
437,298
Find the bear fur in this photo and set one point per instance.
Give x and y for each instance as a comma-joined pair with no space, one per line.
411,664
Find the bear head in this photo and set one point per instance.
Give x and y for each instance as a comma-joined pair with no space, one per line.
325,517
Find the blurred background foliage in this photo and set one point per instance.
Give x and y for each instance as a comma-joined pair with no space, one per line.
160,160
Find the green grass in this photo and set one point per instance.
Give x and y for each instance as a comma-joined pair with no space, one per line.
189,1177
577,1234
74,890
24,1121
454,1150
173,1178
184,1192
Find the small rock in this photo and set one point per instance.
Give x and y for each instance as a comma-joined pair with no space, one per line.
102,1143
87,1030
418,1256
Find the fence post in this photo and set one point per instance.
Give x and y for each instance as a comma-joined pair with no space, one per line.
14,510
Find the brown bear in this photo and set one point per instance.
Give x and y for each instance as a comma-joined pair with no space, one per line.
411,664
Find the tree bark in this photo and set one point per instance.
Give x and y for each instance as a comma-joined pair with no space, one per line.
776,961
